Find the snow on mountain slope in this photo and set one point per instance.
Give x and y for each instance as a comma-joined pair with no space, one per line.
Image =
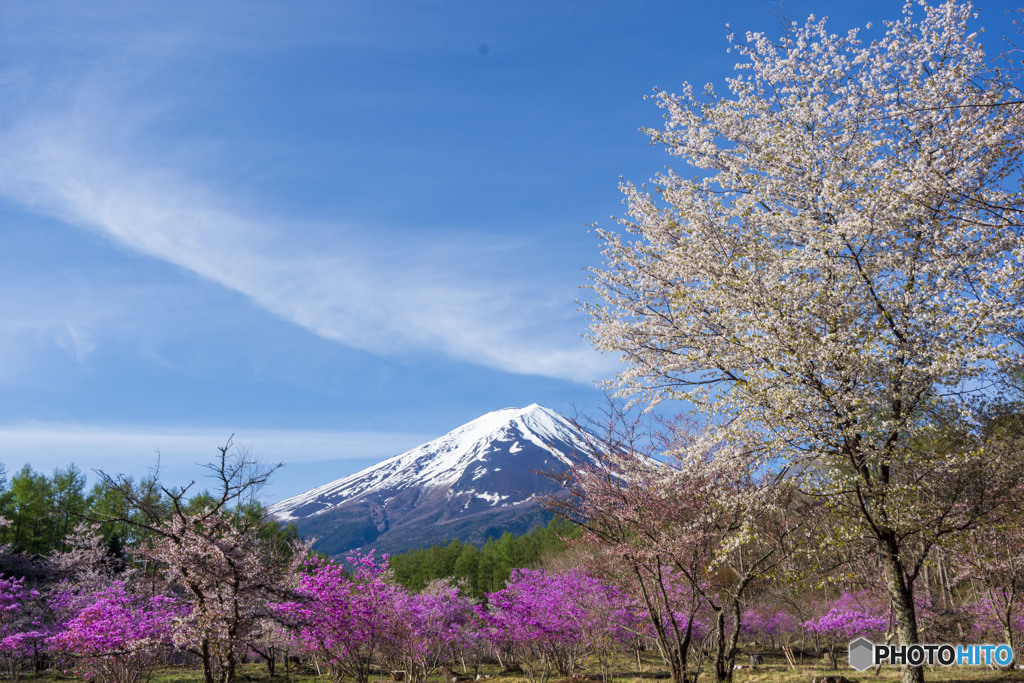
445,460
478,473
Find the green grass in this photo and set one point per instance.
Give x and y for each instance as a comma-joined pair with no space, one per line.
775,670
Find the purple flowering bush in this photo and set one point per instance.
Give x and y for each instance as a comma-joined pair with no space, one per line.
112,635
551,622
22,634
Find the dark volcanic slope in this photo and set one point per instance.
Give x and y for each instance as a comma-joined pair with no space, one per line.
474,482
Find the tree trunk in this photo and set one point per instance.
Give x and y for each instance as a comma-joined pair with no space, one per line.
207,661
271,662
1008,634
901,597
721,675
673,650
734,637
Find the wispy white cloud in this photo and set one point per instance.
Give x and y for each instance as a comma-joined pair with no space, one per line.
76,341
49,321
79,152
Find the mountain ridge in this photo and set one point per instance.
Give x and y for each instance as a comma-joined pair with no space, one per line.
476,481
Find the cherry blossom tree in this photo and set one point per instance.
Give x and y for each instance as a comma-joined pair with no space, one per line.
620,500
680,507
212,546
993,558
841,273
85,563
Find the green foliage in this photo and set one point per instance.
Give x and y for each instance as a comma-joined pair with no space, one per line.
43,510
485,569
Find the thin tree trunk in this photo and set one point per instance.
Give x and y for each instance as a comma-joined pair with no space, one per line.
207,661
901,597
730,653
721,675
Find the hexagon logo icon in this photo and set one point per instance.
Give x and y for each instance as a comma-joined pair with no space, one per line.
861,653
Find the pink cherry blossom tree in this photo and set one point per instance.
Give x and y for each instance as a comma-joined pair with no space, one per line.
840,274
681,505
85,562
992,557
619,498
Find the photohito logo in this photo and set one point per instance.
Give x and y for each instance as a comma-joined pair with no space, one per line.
865,654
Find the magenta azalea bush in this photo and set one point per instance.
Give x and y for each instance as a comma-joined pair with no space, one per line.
22,635
114,636
550,622
346,619
440,624
848,616
768,625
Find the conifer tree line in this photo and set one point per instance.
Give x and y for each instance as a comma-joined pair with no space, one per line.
484,569
43,511
44,508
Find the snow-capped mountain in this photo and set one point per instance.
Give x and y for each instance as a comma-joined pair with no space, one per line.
471,483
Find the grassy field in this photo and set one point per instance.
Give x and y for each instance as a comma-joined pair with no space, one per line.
775,670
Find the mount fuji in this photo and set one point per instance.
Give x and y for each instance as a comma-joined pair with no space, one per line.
473,483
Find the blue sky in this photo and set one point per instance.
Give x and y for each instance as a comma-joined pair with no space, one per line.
334,229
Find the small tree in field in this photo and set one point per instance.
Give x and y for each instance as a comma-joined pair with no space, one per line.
696,527
624,507
841,275
213,549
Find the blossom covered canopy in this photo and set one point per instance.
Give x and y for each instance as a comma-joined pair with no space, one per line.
849,246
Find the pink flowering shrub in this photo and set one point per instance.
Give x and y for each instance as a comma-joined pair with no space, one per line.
346,620
769,625
847,617
22,634
354,620
440,624
551,622
114,636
